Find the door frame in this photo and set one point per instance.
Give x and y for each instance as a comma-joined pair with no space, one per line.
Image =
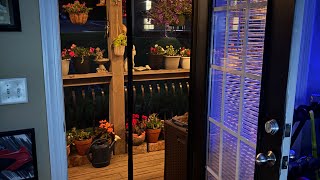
50,38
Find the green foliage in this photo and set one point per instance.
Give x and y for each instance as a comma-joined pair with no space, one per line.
154,122
121,40
170,51
168,41
80,134
69,138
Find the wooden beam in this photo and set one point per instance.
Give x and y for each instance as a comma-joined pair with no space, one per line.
116,92
86,79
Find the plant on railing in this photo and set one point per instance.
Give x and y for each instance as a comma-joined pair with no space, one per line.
157,50
185,58
170,51
184,52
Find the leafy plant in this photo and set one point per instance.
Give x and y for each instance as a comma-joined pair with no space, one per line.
80,134
76,8
184,52
138,126
153,122
121,40
82,52
105,131
157,50
170,51
69,138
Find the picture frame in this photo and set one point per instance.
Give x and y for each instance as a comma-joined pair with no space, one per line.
18,158
10,15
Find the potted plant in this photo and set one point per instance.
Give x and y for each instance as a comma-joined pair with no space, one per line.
156,57
119,44
153,128
78,13
66,56
82,140
185,58
138,127
69,140
171,59
82,58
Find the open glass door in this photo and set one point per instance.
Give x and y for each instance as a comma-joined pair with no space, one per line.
246,121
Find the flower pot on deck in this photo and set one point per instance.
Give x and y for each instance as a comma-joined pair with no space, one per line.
153,135
83,146
185,62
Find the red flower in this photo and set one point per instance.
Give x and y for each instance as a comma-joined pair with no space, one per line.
71,53
144,117
134,122
91,50
135,116
188,53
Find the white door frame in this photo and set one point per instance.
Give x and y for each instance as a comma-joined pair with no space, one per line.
50,37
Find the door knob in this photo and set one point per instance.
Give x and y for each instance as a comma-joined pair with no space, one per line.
271,127
269,159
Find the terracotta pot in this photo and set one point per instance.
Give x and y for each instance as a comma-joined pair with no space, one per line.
138,140
185,62
83,146
82,68
171,62
153,135
156,61
119,51
65,66
68,150
78,18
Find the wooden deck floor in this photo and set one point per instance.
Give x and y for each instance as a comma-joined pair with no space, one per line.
149,166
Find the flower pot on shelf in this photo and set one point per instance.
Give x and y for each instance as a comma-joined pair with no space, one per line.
65,66
171,62
80,18
153,135
119,50
82,67
83,146
185,62
156,61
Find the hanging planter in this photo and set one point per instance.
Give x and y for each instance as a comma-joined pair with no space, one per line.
119,50
79,18
119,44
78,13
65,63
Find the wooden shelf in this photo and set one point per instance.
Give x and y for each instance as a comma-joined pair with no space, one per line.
86,79
105,78
163,74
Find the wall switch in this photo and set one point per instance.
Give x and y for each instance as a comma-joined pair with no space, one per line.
13,91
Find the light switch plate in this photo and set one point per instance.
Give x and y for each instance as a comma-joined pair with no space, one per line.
13,91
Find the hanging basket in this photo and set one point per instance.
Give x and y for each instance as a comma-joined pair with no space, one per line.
78,18
119,50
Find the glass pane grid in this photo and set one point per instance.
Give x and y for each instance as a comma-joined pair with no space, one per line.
229,156
236,34
232,101
219,35
250,111
214,147
247,160
216,94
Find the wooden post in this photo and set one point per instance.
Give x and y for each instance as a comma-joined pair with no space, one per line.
116,92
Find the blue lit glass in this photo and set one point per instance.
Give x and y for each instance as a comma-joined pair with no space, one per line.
214,146
229,156
247,160
216,95
219,35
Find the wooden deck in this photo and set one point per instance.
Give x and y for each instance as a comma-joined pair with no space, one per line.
148,166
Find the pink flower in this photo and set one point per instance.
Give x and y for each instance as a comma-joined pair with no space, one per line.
71,53
91,50
144,117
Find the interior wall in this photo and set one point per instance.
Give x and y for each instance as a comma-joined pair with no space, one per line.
21,56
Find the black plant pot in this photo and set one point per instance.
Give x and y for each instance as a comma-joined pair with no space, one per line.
82,68
156,62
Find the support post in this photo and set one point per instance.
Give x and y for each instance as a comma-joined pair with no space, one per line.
116,92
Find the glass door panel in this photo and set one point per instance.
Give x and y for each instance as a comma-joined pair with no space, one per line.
236,67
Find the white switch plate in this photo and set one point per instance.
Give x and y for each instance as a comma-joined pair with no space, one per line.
13,91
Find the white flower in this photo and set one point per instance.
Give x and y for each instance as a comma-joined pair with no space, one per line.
156,45
116,138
